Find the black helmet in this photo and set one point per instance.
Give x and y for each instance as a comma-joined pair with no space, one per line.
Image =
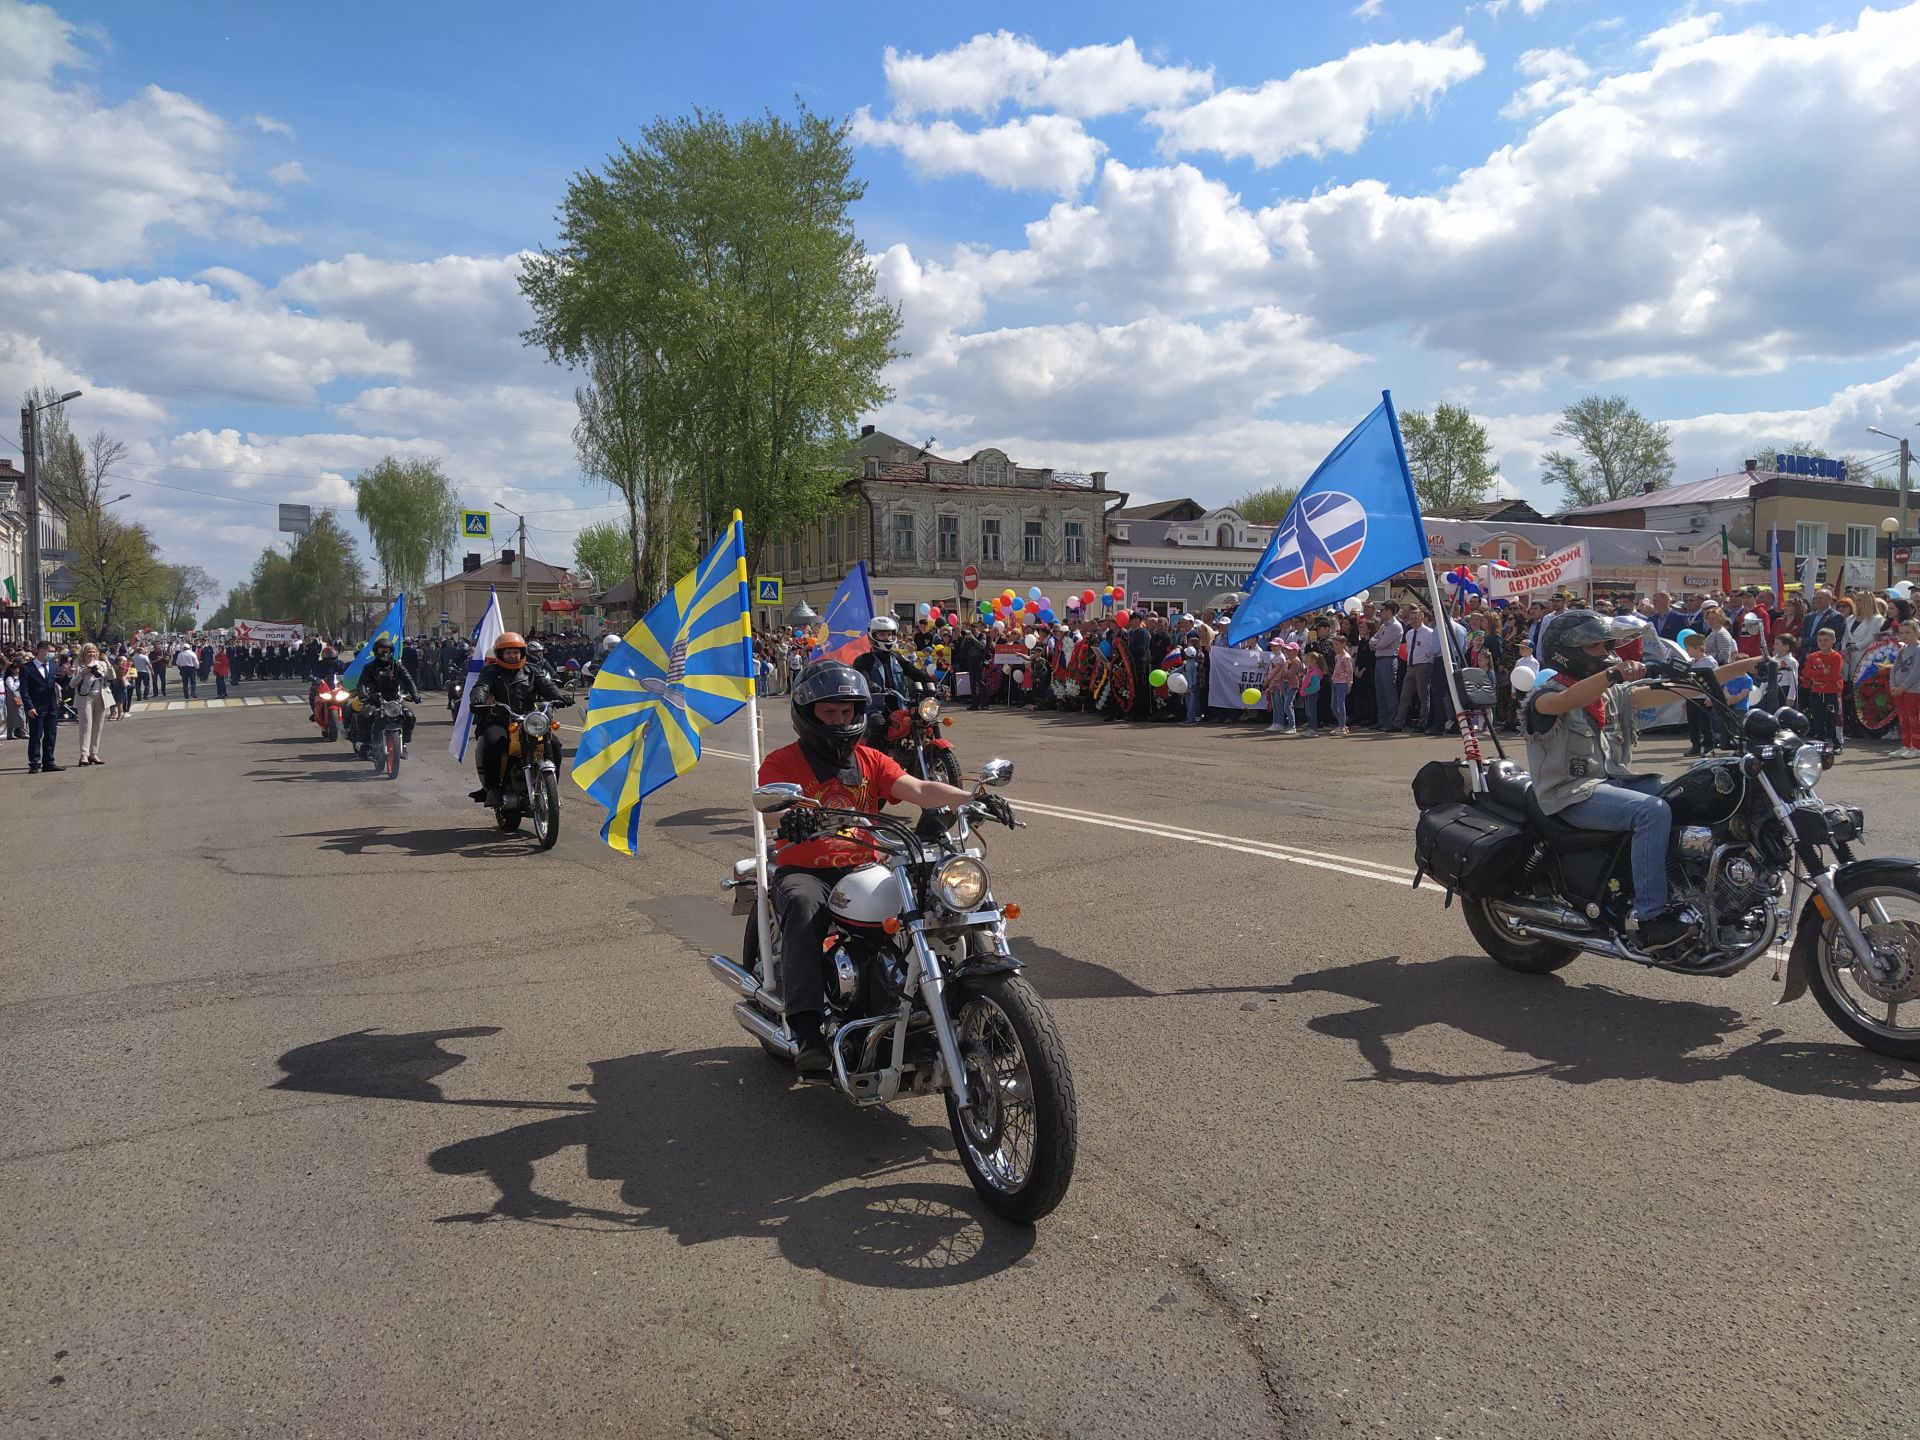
383,647
1563,643
830,680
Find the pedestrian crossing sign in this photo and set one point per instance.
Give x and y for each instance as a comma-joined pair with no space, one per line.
476,524
766,590
61,616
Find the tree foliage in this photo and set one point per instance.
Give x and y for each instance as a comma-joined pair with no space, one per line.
316,583
1268,506
1618,451
1450,457
721,259
604,551
617,439
238,605
413,516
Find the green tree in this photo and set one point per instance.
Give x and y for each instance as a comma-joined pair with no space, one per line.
1450,456
604,551
725,256
619,441
114,572
1268,506
238,605
316,582
413,516
1619,452
179,589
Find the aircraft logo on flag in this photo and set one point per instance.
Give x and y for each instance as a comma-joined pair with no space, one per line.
669,688
1319,541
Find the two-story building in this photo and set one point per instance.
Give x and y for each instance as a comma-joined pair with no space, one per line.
463,598
13,549
920,520
1177,555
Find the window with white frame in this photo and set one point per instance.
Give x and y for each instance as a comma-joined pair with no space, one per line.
949,537
990,542
1033,543
902,530
1809,538
1075,534
1859,542
1506,552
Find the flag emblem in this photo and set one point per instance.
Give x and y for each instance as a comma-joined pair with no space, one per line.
668,689
1319,541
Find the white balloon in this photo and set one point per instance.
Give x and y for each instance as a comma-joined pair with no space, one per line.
1354,606
999,627
1524,677
1032,640
1177,683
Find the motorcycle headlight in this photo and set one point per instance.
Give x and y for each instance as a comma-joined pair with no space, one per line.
960,883
537,724
928,709
1806,765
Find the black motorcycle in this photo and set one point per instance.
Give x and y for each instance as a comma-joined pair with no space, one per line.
385,729
1756,857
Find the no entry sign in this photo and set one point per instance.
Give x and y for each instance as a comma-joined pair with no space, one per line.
970,577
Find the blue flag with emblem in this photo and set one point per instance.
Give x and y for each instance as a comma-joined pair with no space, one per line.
848,615
392,626
1355,523
685,667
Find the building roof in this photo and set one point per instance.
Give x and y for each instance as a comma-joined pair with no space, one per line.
500,572
9,474
1509,510
1697,492
1606,544
1173,510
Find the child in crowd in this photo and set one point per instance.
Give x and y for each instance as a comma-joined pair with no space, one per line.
1699,712
1785,689
1283,679
1821,676
1342,680
1311,678
1904,682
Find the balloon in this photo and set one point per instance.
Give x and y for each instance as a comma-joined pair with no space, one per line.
1107,599
1046,617
1006,594
1156,678
1177,683
1192,651
933,612
1106,648
1034,593
1119,592
1250,697
1121,618
1086,597
999,626
1524,678
1032,607
923,609
1020,675
1031,641
1353,606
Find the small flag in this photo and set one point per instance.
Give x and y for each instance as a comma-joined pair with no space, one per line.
490,629
392,626
848,615
1726,563
1779,575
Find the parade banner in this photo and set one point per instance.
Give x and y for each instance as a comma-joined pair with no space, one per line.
1562,567
1232,670
268,632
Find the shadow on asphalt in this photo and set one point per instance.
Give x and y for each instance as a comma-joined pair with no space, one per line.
707,1145
371,839
1577,1033
712,819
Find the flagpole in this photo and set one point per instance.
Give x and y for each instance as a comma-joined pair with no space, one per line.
762,900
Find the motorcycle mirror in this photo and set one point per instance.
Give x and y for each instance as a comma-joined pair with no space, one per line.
772,799
996,772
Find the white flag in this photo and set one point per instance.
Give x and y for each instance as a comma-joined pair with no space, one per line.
485,633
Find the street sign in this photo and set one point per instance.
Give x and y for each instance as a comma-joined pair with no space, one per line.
445,617
970,577
1902,555
54,556
476,524
296,519
766,590
61,616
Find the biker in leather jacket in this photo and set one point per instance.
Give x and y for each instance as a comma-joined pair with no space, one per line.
506,683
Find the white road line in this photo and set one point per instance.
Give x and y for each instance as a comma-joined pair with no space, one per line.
176,705
253,700
216,704
293,699
1065,813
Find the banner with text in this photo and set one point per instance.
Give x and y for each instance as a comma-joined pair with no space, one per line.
268,632
1563,567
1232,670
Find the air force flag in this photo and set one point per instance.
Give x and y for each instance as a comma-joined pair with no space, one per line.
1355,523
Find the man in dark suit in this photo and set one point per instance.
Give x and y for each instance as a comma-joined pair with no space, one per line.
40,698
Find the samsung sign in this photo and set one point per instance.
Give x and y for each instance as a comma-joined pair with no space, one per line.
1817,466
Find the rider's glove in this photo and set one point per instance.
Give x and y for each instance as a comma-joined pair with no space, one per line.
796,826
564,702
997,807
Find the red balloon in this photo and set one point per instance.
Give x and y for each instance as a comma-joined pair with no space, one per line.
1119,593
1086,597
934,613
1032,607
1121,617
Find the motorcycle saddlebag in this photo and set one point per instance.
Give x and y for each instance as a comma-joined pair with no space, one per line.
1441,782
1467,849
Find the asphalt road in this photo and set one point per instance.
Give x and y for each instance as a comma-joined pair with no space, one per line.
330,1112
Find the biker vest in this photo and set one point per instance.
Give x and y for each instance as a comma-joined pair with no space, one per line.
1577,755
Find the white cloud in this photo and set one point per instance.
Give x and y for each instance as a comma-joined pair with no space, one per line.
267,125
1330,107
989,71
1367,9
1559,79
1034,152
1689,31
34,42
290,172
1528,8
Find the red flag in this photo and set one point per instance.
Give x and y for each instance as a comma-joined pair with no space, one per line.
1726,563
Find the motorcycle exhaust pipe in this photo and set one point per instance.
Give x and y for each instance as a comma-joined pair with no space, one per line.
757,1024
741,982
1536,915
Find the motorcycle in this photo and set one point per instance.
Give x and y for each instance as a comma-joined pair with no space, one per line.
1749,857
909,731
531,784
924,996
330,709
385,723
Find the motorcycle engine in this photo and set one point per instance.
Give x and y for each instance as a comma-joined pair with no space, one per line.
1726,886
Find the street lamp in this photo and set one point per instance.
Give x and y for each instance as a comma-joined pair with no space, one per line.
1890,527
116,500
29,449
520,560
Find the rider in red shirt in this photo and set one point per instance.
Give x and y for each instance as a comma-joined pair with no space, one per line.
831,766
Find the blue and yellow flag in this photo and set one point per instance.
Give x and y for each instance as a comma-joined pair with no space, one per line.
684,668
392,626
848,615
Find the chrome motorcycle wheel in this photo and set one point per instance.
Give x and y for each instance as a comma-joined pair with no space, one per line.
1498,935
1869,1000
546,809
1018,1136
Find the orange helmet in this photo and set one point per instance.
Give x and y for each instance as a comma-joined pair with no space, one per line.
510,640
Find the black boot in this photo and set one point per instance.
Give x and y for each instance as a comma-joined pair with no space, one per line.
812,1058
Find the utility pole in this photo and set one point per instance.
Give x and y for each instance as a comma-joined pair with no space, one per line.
520,558
30,449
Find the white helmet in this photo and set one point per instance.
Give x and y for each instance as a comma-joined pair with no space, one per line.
883,630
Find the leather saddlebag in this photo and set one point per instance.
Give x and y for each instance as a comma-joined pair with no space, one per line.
1467,849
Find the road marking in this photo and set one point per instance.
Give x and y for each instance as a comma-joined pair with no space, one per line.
216,704
293,699
252,700
176,704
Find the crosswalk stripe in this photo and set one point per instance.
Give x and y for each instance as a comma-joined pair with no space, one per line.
216,704
252,700
176,705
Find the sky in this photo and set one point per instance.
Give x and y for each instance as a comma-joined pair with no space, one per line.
1187,245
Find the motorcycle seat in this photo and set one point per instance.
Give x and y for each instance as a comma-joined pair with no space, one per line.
1511,788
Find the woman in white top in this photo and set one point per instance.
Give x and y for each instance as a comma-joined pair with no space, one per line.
91,679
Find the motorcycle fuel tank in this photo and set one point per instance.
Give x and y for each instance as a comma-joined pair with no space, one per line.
867,896
1707,794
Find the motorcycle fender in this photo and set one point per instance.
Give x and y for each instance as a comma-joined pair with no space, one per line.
1806,932
936,743
547,767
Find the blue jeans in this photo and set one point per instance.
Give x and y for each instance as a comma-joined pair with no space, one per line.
187,675
1192,698
1616,807
1340,704
1386,691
